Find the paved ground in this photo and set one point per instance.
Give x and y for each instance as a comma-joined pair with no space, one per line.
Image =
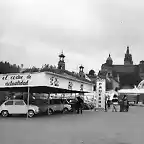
89,128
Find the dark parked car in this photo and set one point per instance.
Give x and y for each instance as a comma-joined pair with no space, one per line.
42,104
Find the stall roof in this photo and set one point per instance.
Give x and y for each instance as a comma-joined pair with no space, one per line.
39,89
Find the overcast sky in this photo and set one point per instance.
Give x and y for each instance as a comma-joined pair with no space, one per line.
34,32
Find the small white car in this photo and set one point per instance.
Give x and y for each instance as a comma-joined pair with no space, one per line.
18,107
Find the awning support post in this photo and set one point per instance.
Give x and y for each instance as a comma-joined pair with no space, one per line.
62,98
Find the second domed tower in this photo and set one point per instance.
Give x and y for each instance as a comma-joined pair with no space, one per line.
61,63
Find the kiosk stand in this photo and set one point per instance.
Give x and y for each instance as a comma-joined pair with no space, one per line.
100,95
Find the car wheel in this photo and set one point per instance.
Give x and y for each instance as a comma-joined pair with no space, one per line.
65,110
4,113
50,112
31,113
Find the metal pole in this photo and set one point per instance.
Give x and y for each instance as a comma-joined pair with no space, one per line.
28,101
62,97
48,102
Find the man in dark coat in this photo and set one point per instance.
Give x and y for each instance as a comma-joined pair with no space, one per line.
79,104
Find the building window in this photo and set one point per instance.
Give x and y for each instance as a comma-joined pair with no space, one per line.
109,74
94,88
99,105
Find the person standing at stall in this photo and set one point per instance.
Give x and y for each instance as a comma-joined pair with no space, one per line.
121,105
108,103
125,104
105,103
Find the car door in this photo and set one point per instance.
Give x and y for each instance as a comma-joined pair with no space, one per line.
54,105
63,103
20,107
8,106
59,106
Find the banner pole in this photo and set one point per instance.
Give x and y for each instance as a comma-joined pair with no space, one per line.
28,101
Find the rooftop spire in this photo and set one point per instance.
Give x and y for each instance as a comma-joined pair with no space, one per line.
127,50
81,66
128,57
62,55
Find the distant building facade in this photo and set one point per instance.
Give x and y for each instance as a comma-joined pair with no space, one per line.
125,76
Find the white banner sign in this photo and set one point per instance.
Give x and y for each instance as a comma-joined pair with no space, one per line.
44,79
101,89
13,80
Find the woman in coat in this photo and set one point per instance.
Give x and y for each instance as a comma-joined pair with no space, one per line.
125,103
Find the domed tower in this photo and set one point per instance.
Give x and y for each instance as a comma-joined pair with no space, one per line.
81,72
61,63
109,61
92,72
107,67
128,58
109,64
